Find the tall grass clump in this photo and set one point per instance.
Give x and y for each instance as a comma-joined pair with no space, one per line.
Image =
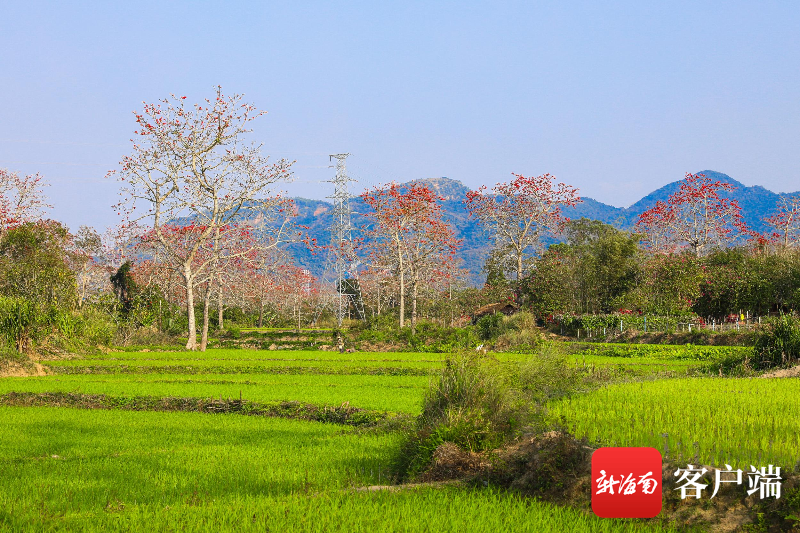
479,403
778,345
471,404
520,335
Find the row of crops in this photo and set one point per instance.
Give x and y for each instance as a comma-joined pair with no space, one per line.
716,420
146,471
386,393
178,471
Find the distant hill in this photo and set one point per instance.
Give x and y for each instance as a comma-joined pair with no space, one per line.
756,202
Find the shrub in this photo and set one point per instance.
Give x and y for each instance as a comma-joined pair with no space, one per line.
778,345
490,327
470,405
22,322
479,404
548,376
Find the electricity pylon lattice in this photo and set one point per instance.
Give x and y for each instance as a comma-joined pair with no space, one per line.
342,253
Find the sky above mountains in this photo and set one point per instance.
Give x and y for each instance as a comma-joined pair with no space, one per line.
616,98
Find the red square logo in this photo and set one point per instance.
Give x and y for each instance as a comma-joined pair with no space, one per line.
626,482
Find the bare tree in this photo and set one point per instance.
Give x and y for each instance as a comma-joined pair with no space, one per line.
21,198
519,213
409,236
89,263
786,222
191,180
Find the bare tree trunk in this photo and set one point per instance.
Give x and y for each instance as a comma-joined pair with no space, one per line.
220,308
414,286
402,291
450,287
206,306
261,314
191,342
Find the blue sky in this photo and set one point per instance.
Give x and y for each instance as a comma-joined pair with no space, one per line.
616,98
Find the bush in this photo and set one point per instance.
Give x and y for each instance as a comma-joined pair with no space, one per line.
778,345
549,376
470,405
480,404
22,322
98,329
490,327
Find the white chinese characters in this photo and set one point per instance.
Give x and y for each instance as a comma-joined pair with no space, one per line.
766,480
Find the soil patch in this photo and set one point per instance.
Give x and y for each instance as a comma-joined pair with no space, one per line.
15,369
792,372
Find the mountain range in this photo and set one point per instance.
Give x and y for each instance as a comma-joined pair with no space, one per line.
756,203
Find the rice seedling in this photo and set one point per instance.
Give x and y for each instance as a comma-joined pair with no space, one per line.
145,471
714,420
445,509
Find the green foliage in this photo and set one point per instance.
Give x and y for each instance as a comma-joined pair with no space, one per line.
549,376
469,405
34,265
234,332
479,404
520,334
667,285
708,360
779,344
489,327
677,352
124,287
499,266
429,336
234,314
600,270
590,273
23,322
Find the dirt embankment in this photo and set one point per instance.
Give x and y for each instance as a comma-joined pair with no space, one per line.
556,467
21,369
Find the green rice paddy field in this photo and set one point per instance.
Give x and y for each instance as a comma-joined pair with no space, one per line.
114,470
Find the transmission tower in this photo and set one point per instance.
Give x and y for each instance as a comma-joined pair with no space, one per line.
342,255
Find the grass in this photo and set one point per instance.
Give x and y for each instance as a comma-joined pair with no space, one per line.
249,355
63,463
446,510
134,471
113,470
688,352
252,361
720,420
634,366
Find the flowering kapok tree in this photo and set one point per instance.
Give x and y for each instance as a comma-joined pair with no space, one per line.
786,222
407,235
519,213
191,168
696,217
21,198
